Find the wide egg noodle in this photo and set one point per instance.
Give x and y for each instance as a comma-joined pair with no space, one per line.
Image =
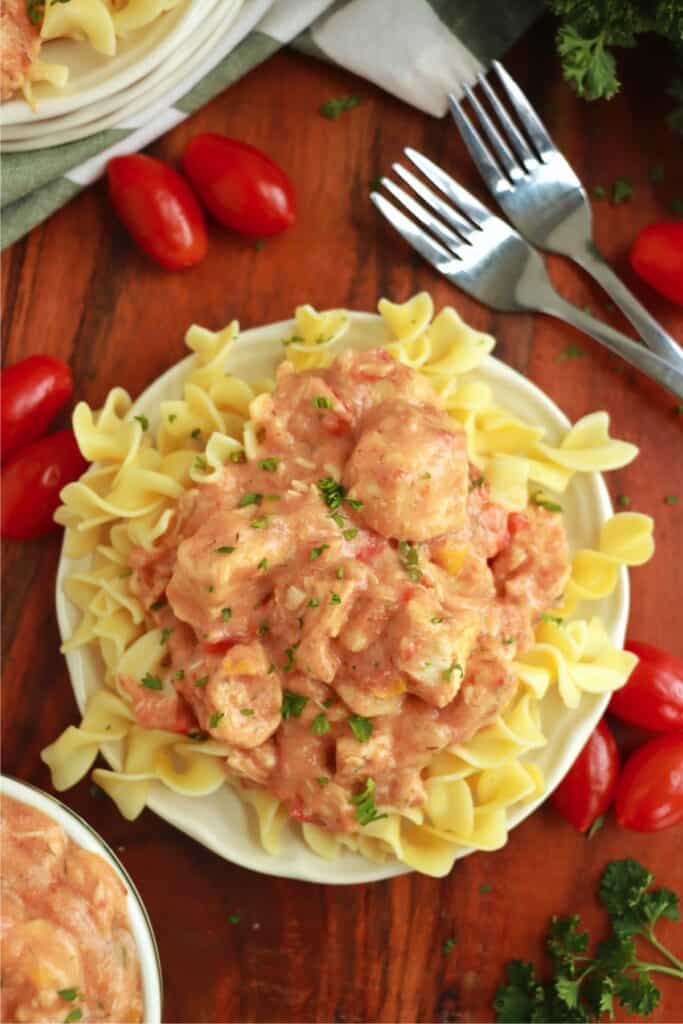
128,498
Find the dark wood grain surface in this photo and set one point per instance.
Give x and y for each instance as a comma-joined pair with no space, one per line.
77,288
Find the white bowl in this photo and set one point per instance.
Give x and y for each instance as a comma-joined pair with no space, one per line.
85,836
221,821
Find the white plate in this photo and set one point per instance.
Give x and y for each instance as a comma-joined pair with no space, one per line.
85,836
93,75
221,822
154,94
128,101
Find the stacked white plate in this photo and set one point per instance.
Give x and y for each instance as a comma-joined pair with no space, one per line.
124,91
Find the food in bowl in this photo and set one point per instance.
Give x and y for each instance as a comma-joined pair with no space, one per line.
68,951
247,544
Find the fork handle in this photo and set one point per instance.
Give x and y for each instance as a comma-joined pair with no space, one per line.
654,336
630,351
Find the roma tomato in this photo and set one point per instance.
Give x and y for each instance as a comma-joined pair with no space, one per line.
31,482
159,210
588,787
650,793
241,186
653,696
657,257
32,392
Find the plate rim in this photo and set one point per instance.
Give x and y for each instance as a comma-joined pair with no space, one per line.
593,705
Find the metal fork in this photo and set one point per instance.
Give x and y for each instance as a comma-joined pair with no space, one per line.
542,196
486,258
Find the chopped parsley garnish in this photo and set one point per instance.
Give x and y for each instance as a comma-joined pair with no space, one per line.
436,619
237,457
364,802
200,463
337,519
292,704
448,946
572,352
340,573
251,498
454,667
583,986
354,503
335,598
294,340
408,557
172,417
599,192
158,604
477,482
289,664
165,633
202,682
624,500
180,674
485,888
151,682
317,552
328,703
263,629
334,108
260,523
69,994
73,1015
545,503
622,191
197,736
331,492
215,718
314,603
508,640
226,549
196,434
320,724
361,727
320,402
555,619
235,918
350,533
263,564
269,465
143,421
322,780
671,499
595,827
247,712
226,614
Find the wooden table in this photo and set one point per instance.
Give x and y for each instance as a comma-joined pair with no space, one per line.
77,288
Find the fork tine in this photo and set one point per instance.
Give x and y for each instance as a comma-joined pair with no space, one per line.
500,146
443,233
478,150
515,137
526,113
421,242
466,202
451,216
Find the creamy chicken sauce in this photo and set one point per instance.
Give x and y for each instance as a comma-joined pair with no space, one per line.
346,604
19,46
67,949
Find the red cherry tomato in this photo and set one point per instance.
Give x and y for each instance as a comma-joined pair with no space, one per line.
159,210
657,257
653,696
650,793
31,482
241,186
32,392
588,787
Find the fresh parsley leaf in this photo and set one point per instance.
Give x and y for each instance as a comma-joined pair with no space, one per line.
364,802
622,191
588,67
331,492
73,1015
151,682
143,421
68,993
320,724
215,718
226,614
595,827
317,552
320,402
546,503
448,946
238,457
599,192
251,498
269,465
226,549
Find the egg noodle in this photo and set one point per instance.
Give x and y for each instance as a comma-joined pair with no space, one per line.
127,499
99,23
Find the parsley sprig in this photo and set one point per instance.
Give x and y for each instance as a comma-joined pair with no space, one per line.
364,802
584,987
